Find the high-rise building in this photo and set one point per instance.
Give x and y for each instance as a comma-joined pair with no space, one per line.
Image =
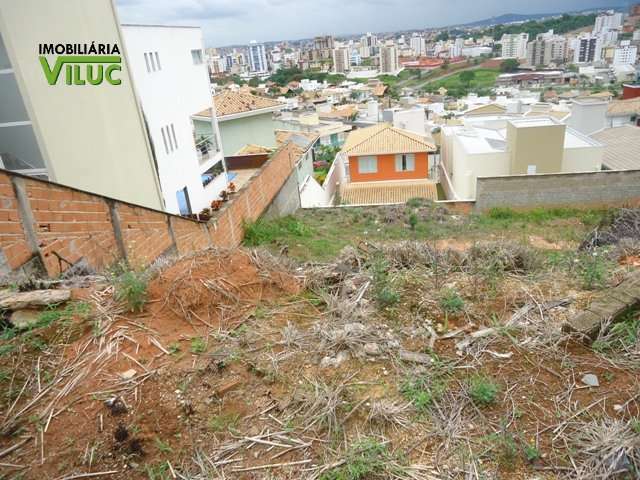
418,45
341,59
389,62
324,42
625,54
546,49
257,57
588,49
514,45
608,21
369,40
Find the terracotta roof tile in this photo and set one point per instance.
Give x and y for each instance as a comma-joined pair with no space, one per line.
372,193
383,139
230,103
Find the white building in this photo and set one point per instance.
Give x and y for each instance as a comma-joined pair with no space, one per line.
588,48
418,45
625,54
341,59
608,21
389,62
257,58
88,136
495,146
173,85
514,45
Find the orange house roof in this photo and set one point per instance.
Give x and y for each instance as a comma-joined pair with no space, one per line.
384,139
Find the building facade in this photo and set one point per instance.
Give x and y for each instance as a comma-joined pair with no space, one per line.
173,84
514,45
389,62
88,136
257,58
341,59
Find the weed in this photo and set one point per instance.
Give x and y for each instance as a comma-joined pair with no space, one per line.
158,471
6,349
366,459
384,292
198,345
622,335
223,422
265,231
173,348
163,446
531,453
413,221
593,270
483,390
423,391
131,288
635,425
505,447
450,303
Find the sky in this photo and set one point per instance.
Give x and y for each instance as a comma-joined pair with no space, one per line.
236,22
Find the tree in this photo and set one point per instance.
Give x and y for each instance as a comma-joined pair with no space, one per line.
509,65
467,77
254,82
445,64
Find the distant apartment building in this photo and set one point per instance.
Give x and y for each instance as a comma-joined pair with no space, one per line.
625,54
418,45
545,50
341,59
389,61
369,40
514,45
588,49
608,21
173,85
89,135
257,58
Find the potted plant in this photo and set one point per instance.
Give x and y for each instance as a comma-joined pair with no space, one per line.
216,204
224,195
231,187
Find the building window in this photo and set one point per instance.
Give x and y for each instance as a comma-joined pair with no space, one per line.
367,165
169,138
164,139
405,162
146,61
196,56
152,60
173,134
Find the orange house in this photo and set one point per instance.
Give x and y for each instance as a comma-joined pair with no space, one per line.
383,152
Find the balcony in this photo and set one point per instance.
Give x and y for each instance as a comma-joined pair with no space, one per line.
206,148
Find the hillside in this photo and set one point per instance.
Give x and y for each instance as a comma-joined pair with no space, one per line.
400,342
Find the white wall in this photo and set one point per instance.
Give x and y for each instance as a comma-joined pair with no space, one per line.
588,117
588,159
468,167
171,95
91,137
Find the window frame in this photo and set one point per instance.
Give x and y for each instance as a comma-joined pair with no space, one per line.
373,168
406,162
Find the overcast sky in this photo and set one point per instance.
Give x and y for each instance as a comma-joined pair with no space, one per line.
226,22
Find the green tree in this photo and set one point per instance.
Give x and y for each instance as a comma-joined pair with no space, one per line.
254,82
467,77
509,65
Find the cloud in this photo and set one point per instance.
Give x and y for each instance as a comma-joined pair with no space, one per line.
226,22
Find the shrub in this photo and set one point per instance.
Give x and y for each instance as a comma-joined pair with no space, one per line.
384,292
483,390
366,459
131,288
198,345
423,391
265,231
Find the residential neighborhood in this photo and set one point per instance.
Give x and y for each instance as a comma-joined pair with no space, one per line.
319,241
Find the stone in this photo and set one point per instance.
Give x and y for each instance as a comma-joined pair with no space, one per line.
329,362
128,375
371,349
36,298
415,357
24,318
590,379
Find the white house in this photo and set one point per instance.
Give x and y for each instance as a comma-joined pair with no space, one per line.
493,146
172,82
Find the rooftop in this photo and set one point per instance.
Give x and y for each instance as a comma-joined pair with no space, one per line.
622,150
621,108
388,192
230,103
382,139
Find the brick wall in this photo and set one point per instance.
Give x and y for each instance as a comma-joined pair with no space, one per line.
50,227
588,190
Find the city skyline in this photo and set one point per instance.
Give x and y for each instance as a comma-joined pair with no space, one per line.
226,24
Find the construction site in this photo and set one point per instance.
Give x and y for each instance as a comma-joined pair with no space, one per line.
395,342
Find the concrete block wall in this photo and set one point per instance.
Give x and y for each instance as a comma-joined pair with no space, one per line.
48,228
587,189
